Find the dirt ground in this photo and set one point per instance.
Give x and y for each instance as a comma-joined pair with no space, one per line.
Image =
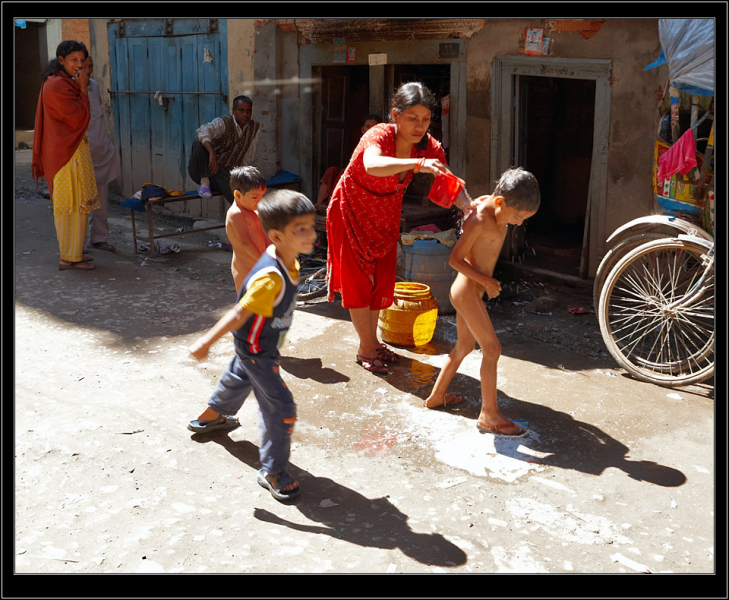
614,476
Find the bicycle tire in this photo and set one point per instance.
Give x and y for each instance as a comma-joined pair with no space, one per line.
645,332
612,257
313,286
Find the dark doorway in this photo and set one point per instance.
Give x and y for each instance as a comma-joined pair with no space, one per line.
344,105
554,141
28,68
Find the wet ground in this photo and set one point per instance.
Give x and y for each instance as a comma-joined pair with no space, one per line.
614,475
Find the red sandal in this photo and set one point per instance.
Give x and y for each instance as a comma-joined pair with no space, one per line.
387,355
373,365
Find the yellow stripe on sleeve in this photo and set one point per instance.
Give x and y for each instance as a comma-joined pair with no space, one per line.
262,293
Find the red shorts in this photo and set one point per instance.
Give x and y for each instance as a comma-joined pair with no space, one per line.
347,277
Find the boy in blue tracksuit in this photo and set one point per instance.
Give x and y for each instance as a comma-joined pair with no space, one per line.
259,322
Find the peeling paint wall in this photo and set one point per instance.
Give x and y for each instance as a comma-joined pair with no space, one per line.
630,44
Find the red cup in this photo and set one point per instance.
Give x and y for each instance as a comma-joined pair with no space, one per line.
445,189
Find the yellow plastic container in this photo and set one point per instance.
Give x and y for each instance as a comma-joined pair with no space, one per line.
412,318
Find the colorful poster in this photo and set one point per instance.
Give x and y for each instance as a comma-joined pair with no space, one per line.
533,41
340,49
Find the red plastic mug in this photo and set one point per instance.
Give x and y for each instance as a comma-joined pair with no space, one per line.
445,189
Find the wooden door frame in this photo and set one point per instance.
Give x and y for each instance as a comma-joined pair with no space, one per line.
504,130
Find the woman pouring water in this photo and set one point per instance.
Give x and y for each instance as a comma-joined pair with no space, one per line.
363,218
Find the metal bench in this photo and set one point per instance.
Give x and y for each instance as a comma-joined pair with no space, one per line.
282,179
150,221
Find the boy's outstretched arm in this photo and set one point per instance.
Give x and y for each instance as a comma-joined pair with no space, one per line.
473,228
230,321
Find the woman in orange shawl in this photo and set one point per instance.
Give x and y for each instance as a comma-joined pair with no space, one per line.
363,218
61,151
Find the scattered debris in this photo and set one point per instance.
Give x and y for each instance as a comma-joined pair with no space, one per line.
161,247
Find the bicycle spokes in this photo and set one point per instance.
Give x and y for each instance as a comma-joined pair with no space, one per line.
657,312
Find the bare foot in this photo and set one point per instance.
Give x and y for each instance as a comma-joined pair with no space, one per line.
208,415
448,400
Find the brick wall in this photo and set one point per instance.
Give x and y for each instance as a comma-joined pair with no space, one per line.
76,29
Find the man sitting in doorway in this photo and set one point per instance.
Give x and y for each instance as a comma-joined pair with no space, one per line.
221,145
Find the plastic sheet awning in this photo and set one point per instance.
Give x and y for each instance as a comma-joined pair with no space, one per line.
687,46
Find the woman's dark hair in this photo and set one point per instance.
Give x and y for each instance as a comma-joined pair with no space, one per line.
63,50
412,94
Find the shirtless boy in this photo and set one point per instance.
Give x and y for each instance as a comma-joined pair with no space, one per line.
515,199
242,225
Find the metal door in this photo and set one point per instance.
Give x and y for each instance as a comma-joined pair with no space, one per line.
168,76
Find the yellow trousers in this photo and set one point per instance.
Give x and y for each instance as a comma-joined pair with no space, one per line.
71,233
75,195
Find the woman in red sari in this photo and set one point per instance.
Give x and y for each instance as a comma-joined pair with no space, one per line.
61,151
363,218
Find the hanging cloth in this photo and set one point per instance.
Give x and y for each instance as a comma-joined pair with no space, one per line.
679,158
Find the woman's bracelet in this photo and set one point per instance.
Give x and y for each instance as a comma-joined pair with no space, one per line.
419,166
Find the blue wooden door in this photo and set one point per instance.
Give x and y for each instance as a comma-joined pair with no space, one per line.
168,76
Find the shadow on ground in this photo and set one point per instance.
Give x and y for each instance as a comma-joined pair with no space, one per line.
346,514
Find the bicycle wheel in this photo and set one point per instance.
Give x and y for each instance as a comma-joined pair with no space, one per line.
312,285
654,320
614,255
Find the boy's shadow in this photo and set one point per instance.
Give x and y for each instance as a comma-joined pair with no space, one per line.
346,514
568,443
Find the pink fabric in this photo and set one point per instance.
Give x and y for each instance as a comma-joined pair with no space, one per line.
679,158
431,227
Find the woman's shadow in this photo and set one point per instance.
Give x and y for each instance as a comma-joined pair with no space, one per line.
564,441
346,514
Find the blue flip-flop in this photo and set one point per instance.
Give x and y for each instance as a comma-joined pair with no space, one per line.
222,422
276,483
204,192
